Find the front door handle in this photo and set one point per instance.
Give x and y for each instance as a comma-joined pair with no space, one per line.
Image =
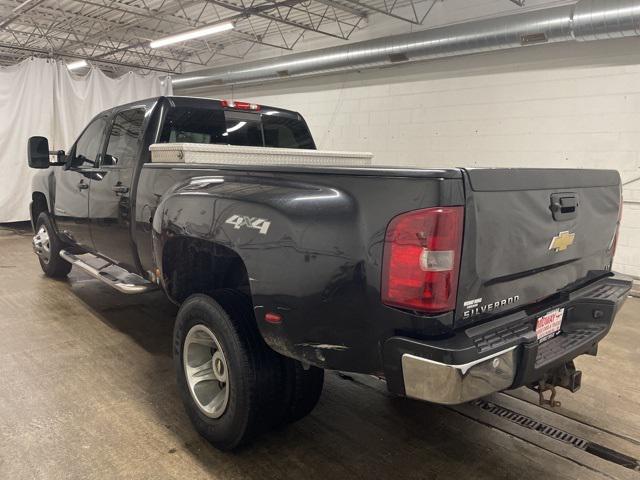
82,185
119,188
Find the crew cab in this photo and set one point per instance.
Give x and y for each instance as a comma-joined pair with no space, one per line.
449,284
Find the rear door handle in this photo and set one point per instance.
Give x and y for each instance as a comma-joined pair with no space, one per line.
82,185
120,188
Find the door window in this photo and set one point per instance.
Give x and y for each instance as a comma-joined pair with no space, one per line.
122,148
89,144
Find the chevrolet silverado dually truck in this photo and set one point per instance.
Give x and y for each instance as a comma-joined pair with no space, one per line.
449,284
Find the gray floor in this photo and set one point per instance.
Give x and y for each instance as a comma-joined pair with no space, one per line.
87,391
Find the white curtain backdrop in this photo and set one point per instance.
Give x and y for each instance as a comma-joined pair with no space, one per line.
42,97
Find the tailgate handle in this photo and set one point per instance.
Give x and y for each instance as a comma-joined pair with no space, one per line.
564,206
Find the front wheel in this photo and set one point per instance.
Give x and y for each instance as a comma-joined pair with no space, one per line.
47,246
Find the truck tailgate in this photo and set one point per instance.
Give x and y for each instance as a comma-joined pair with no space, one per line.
530,234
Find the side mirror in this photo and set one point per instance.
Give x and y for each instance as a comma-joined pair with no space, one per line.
38,152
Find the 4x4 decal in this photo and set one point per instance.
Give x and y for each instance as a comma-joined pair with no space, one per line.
239,221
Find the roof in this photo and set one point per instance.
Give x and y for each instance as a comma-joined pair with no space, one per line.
115,34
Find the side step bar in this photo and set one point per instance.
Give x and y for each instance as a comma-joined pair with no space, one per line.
111,274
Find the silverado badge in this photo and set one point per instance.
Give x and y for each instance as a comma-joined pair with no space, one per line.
562,241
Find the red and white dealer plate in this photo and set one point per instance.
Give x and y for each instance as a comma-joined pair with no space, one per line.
548,325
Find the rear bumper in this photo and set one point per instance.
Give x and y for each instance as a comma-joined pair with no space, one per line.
503,353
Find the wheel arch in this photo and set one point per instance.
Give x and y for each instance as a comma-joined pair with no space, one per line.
39,204
193,265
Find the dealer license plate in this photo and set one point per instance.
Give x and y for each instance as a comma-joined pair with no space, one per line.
548,325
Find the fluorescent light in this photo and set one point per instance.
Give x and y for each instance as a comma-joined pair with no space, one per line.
200,32
77,65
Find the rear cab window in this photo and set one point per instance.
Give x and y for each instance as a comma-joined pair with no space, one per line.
243,128
193,125
285,132
214,125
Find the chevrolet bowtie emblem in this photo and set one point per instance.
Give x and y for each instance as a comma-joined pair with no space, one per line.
562,241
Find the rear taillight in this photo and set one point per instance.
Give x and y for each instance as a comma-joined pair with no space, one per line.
422,259
239,105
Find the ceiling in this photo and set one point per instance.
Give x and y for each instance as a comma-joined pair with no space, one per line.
115,34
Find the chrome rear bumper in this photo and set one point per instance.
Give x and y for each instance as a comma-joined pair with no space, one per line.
437,382
502,353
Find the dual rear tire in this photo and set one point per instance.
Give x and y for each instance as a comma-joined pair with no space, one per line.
233,385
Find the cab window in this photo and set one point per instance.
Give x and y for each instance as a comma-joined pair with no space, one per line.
285,132
243,129
89,145
193,125
122,148
230,127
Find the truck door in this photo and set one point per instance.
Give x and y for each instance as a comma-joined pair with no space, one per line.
110,202
71,202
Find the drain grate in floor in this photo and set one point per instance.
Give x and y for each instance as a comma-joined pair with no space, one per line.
560,435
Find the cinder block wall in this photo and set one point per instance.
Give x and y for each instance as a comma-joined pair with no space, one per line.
570,105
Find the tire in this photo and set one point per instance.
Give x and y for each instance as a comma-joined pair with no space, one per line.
304,387
48,250
254,372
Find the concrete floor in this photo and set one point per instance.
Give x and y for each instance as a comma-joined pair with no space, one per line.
87,392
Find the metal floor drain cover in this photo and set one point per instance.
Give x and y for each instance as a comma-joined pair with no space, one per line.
560,435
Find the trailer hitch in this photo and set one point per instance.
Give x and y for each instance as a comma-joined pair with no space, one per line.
565,376
543,387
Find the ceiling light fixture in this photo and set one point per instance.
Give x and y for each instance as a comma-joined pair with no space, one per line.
77,65
200,32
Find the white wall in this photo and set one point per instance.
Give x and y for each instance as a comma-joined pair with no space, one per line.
569,105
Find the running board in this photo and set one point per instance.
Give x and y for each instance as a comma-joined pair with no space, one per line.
109,273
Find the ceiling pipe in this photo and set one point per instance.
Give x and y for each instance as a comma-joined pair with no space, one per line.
583,21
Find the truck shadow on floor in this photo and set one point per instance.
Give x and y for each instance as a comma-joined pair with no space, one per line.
147,318
357,430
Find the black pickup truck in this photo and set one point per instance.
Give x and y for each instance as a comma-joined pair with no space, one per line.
449,284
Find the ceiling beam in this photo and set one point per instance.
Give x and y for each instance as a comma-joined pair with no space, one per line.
117,32
345,8
388,11
260,11
46,53
95,46
19,10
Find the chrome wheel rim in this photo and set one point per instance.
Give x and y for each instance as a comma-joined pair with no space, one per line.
205,368
42,244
